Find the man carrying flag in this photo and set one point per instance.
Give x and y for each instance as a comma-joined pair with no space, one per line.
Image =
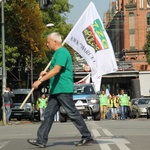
61,89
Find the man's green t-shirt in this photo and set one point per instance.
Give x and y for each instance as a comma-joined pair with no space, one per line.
63,81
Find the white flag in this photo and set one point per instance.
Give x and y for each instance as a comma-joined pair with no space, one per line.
89,38
86,79
97,83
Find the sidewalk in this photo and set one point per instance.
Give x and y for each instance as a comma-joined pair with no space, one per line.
22,122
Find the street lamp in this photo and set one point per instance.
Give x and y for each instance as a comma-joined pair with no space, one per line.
3,60
50,25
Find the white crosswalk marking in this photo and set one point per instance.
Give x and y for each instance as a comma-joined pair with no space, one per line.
95,133
3,144
104,146
107,132
105,142
122,146
118,141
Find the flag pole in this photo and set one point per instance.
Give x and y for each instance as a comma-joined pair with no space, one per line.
33,88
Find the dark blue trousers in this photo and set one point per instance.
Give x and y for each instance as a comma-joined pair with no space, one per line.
54,103
123,112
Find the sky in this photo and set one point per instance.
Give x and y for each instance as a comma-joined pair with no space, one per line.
80,5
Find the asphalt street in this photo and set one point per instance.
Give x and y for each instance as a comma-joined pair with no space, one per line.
133,134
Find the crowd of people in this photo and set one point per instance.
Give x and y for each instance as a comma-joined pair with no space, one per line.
114,106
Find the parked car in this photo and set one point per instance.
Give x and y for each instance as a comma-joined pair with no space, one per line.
148,110
27,111
134,113
141,104
86,101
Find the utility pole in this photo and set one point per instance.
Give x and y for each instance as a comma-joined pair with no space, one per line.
3,61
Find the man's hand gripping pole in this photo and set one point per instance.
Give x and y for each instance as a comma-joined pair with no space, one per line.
33,88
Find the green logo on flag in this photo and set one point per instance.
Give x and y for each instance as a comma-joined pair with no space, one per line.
95,37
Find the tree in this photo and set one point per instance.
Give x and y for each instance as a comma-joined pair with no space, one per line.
25,32
57,16
147,47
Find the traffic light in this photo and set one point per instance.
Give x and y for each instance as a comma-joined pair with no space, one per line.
46,4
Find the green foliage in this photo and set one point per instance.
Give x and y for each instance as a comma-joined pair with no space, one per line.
57,16
147,47
26,32
11,56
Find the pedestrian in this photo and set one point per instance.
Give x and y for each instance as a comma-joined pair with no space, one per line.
124,102
61,89
115,106
41,105
8,102
103,104
109,107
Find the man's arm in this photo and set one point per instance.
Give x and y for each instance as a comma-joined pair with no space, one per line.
51,73
48,75
11,94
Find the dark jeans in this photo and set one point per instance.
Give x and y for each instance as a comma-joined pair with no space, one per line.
8,113
54,102
123,112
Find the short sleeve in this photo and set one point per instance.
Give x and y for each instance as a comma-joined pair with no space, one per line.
61,59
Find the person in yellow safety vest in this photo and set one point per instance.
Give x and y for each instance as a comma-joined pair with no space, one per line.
115,107
124,102
103,104
109,107
41,105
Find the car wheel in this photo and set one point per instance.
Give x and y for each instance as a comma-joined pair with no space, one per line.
148,114
131,115
62,117
32,117
137,114
96,116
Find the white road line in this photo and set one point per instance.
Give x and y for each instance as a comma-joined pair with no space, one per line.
107,132
3,144
104,147
122,146
105,142
119,142
95,133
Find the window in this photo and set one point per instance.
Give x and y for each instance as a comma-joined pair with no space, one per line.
148,18
131,1
141,4
131,21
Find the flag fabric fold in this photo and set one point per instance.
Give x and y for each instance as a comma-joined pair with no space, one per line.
90,39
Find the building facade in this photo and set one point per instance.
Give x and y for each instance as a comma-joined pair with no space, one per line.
127,23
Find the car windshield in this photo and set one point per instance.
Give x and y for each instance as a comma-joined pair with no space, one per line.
83,89
133,101
143,101
19,98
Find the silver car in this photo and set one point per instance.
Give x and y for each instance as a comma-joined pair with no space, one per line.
86,101
27,111
142,106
